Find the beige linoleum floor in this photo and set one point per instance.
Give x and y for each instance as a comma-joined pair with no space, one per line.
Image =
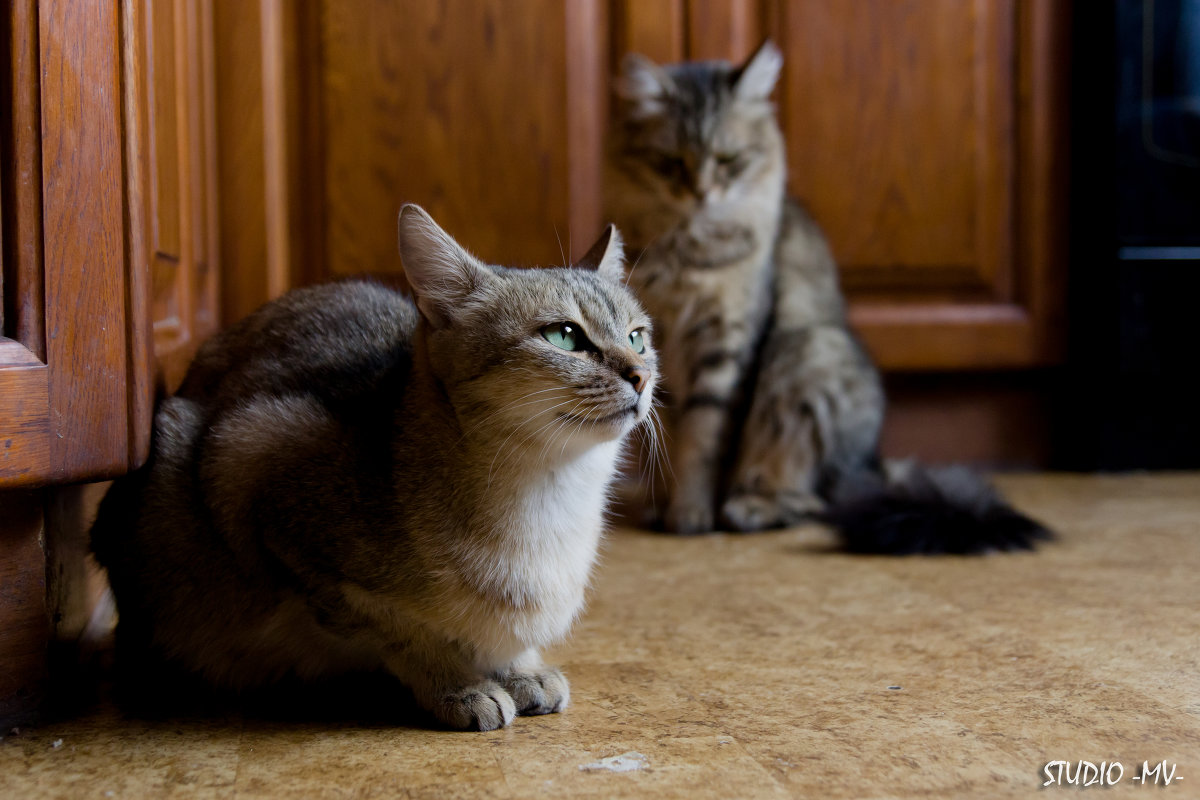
766,666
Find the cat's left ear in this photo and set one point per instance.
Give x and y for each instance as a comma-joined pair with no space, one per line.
755,79
441,272
607,256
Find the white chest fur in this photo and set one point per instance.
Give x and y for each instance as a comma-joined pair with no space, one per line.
530,576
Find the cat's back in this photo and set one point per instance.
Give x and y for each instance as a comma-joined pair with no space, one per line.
335,340
806,276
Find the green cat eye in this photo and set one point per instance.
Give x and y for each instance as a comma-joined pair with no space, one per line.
637,341
565,335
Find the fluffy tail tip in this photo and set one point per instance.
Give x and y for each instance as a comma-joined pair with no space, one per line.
921,510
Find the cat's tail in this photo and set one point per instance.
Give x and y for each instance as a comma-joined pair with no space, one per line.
909,508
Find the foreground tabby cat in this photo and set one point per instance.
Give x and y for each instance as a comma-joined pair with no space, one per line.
774,408
350,481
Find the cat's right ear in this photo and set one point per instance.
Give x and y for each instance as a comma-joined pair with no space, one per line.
756,79
607,256
644,85
439,270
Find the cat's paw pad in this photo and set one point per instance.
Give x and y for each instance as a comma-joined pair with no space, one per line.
484,706
542,691
689,519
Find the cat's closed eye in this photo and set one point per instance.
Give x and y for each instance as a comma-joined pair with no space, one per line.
732,163
668,164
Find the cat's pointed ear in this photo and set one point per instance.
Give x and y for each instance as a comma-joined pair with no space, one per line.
644,85
756,79
440,272
607,256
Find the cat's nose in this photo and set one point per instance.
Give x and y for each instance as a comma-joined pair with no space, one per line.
639,377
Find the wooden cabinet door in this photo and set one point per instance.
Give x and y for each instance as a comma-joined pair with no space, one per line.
109,228
173,189
927,138
925,135
489,113
74,398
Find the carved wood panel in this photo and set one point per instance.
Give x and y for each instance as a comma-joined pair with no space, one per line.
175,99
108,210
67,395
487,113
925,136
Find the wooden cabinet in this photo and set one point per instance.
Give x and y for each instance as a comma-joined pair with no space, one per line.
110,276
109,236
71,404
150,142
925,135
928,139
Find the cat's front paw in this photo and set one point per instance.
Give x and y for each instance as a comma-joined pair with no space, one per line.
756,512
689,519
484,706
542,691
750,512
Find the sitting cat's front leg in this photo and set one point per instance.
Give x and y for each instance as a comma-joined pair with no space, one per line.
702,427
444,684
534,687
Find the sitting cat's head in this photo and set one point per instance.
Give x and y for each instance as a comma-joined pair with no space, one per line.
554,360
694,137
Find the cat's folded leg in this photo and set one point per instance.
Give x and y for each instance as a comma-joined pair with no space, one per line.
774,480
449,688
534,687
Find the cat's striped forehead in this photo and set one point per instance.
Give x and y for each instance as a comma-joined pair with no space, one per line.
701,91
604,307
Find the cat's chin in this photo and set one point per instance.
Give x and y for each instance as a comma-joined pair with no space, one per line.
606,427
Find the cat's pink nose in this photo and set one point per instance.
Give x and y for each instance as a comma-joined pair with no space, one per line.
639,377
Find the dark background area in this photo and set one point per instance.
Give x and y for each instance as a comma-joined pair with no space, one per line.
1130,397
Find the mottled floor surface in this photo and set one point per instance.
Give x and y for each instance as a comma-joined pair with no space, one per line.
766,666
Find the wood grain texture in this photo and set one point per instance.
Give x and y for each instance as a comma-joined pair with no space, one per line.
723,29
657,30
462,107
586,30
275,140
895,114
915,137
20,179
24,379
84,238
24,623
175,40
987,420
140,346
25,429
1043,175
241,164
303,61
